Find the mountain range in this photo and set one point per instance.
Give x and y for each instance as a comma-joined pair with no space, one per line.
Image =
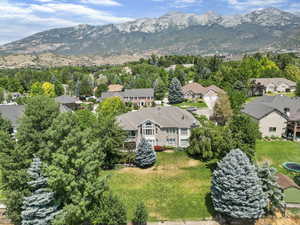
173,33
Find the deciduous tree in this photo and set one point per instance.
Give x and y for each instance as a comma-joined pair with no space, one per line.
222,109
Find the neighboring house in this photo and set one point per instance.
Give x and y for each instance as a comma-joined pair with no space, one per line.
68,103
260,86
173,67
12,113
115,87
209,94
160,126
277,116
290,189
139,97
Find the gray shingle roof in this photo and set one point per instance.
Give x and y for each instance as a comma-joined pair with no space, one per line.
12,113
141,92
276,81
167,117
64,99
262,106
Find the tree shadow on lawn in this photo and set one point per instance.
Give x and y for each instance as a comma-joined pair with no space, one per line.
209,205
212,165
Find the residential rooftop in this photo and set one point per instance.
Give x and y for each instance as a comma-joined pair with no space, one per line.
165,117
262,106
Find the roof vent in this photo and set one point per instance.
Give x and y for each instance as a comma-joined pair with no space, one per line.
182,117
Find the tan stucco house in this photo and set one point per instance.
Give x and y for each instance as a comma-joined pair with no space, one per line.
209,94
277,116
260,86
160,126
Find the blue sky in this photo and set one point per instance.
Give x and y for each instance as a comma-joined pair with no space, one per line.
20,18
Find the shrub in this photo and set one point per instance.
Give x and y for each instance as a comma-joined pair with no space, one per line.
140,215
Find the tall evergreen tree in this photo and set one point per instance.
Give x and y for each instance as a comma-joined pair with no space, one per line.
16,157
112,138
175,92
39,208
145,155
75,159
236,189
271,188
5,125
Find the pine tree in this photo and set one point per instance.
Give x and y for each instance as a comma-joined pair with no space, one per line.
236,189
39,208
145,155
16,157
140,215
175,92
271,188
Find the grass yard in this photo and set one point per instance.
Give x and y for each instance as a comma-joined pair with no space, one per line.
191,104
278,152
175,188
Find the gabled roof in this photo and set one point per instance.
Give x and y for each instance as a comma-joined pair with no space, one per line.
195,88
215,89
262,106
166,117
276,81
140,92
12,113
64,99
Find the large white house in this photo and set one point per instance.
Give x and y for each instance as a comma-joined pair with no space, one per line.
160,126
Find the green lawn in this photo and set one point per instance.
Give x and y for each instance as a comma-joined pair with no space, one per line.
176,188
191,104
278,152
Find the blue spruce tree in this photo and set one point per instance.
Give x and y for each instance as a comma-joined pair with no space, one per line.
175,92
236,188
145,155
39,208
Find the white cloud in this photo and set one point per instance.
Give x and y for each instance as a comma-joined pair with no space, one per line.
102,2
29,18
252,4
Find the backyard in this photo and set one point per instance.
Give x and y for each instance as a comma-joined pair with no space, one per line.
178,187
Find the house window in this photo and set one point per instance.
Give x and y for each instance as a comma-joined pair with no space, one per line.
184,142
131,134
184,131
172,131
171,141
148,129
272,129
